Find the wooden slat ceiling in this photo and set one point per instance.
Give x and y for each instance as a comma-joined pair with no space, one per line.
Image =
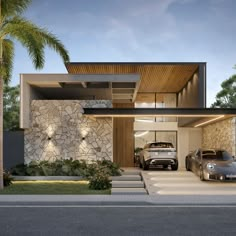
157,78
149,97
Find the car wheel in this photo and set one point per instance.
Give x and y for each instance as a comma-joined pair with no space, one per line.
201,174
175,166
187,164
145,166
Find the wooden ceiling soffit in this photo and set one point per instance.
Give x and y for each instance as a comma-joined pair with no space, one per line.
165,78
149,98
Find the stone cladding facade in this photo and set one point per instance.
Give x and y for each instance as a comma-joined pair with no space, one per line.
220,135
59,130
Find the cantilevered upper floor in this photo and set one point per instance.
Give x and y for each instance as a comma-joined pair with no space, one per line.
170,84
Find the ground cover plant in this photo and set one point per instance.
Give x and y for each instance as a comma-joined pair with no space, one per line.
67,167
97,173
51,187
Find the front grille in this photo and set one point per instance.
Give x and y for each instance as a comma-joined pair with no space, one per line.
212,177
217,177
230,178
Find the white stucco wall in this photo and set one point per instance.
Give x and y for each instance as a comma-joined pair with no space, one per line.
189,139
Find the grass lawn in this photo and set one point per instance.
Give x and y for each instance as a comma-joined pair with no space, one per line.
51,187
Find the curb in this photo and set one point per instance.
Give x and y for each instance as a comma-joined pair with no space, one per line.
47,178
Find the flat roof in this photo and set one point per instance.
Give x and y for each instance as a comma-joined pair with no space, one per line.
156,77
202,116
159,111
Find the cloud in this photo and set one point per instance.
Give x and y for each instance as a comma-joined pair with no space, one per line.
141,30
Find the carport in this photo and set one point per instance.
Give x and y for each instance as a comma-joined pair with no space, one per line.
189,124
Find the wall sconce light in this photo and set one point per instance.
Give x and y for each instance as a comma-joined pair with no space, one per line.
49,138
83,138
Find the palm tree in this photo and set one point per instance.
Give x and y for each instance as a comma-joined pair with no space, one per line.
32,37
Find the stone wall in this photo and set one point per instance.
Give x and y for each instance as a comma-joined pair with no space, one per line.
220,135
59,131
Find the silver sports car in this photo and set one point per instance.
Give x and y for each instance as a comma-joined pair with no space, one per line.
211,164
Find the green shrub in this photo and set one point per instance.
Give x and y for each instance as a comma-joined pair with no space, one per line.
57,166
89,170
7,179
99,181
19,169
47,168
113,169
67,168
34,169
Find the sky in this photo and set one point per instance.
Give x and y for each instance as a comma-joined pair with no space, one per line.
138,31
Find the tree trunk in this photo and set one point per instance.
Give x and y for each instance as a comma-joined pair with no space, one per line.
1,133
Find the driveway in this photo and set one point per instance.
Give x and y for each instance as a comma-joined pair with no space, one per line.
167,182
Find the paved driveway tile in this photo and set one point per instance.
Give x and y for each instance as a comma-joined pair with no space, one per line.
183,183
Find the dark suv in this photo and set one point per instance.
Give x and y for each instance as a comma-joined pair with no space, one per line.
158,153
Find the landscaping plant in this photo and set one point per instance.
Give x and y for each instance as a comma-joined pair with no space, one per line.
67,167
96,172
7,179
15,27
100,180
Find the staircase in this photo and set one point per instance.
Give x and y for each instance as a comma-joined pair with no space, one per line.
129,183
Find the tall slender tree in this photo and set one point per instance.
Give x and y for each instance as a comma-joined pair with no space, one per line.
13,26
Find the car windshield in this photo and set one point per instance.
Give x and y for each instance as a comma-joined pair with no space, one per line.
161,145
217,155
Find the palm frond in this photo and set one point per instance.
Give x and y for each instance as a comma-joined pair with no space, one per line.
24,32
13,7
51,41
7,59
34,39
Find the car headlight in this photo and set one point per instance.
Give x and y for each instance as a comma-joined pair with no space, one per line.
210,166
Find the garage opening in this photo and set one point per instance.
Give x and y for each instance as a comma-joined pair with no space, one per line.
194,128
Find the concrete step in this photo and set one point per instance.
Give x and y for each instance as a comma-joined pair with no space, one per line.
127,184
131,172
128,191
126,178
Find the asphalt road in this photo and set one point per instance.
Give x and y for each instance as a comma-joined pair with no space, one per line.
117,220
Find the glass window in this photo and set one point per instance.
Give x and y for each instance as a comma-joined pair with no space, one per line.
142,140
167,136
161,145
155,137
218,155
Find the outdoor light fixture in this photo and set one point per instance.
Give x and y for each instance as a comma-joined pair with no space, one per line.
145,120
209,121
49,138
142,134
83,138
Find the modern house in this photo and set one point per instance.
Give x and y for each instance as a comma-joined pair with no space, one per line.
106,110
